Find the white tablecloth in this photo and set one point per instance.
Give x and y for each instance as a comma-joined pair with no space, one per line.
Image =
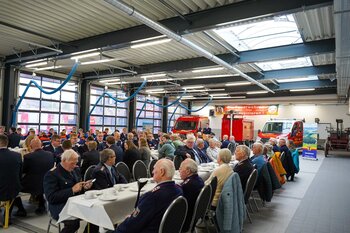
107,213
103,213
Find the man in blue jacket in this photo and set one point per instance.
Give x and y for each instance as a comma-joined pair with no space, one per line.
148,214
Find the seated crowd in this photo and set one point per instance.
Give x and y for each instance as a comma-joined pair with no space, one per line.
55,171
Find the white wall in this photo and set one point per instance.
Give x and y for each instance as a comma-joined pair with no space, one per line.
326,113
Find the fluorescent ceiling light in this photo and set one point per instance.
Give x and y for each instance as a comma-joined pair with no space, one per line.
36,61
238,97
109,80
212,76
48,68
221,97
310,78
153,75
196,90
85,51
207,70
222,94
97,61
237,84
218,89
157,89
115,83
256,92
192,87
150,43
157,92
36,64
305,89
161,79
147,39
185,96
85,55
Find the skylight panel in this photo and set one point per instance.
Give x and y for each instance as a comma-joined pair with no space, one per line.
285,64
278,31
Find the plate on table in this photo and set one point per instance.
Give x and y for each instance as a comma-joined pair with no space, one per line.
108,197
135,189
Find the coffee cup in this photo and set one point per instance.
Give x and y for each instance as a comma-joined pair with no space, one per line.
89,195
110,192
117,187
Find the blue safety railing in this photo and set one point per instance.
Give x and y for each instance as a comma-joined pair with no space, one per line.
15,110
115,99
159,105
171,117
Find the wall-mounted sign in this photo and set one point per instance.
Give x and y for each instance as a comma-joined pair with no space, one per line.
253,109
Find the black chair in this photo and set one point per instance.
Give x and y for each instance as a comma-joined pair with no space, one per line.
249,188
123,169
139,170
210,213
88,173
201,206
52,222
177,162
151,166
174,217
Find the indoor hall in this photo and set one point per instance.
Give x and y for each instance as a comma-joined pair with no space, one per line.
103,67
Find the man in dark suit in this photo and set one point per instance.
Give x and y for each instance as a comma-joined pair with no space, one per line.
35,165
152,205
10,171
61,183
101,145
55,147
244,167
105,172
188,151
192,185
207,129
84,148
225,141
92,157
110,142
124,134
14,138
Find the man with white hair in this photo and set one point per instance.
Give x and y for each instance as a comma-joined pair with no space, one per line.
152,205
258,158
244,167
61,183
192,185
188,151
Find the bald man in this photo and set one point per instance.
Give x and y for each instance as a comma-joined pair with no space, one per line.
153,204
35,166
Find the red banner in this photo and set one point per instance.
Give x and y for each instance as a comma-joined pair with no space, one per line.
253,109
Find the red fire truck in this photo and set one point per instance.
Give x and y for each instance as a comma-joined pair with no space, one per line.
189,124
290,129
241,128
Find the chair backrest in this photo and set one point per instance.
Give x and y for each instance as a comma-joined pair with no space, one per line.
174,217
123,169
151,166
177,162
139,170
250,184
201,206
88,173
213,184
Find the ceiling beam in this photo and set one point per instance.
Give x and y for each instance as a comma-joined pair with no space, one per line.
281,52
285,86
202,20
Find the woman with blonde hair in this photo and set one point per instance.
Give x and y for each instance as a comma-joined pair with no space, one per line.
26,145
222,173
